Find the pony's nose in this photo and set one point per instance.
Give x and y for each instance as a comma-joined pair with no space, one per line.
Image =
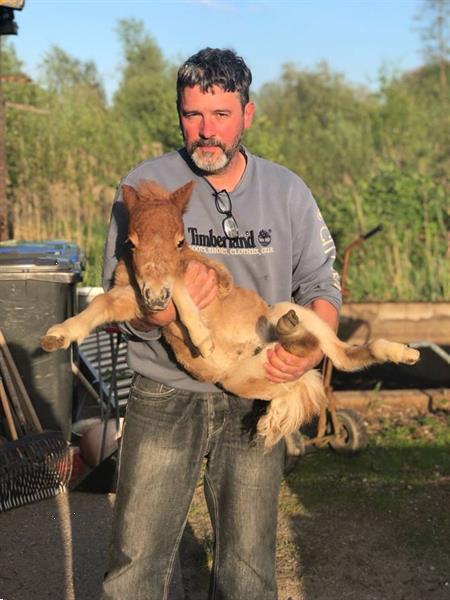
164,295
158,302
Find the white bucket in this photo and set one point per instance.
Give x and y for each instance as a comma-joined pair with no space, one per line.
86,294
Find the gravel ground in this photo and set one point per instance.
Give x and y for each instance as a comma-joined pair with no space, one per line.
56,549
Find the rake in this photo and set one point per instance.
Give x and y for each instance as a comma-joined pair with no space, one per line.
32,468
34,464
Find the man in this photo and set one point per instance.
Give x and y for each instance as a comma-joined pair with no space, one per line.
262,222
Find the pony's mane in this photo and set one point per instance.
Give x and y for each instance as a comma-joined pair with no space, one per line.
150,191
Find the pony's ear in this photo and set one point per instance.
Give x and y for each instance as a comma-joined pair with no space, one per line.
130,197
181,196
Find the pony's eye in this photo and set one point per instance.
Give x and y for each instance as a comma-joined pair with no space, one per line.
181,243
130,244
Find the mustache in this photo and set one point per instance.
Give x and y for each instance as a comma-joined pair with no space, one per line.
206,142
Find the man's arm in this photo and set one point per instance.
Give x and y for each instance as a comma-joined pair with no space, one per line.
326,311
315,285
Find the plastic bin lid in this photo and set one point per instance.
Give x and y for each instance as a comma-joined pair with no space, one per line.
44,258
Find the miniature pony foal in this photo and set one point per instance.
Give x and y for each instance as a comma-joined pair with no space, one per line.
226,342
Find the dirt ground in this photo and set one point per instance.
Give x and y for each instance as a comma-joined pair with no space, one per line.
56,549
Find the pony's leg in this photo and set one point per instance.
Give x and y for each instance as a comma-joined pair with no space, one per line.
189,315
118,304
344,356
224,278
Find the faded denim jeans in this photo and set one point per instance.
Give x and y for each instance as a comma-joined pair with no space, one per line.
167,435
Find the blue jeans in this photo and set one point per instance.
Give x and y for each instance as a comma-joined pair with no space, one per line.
167,435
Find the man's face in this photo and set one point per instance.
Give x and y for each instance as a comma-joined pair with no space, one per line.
212,124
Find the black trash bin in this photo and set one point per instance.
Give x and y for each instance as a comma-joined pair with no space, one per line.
37,290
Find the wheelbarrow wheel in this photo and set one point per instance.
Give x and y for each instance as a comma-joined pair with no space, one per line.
351,436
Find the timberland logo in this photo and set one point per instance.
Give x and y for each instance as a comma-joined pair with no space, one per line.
211,243
264,237
221,241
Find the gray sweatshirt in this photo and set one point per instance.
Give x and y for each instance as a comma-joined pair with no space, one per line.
284,250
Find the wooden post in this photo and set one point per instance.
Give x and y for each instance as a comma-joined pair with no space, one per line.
3,199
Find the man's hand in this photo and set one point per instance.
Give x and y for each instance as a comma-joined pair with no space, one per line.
201,283
282,366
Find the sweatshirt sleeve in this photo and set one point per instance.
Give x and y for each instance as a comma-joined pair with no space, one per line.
115,240
314,255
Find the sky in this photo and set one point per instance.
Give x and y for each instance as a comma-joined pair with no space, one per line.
355,37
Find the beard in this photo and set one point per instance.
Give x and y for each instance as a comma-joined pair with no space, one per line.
211,162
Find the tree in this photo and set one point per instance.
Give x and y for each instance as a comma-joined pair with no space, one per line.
413,122
11,64
146,95
322,125
10,74
435,16
62,72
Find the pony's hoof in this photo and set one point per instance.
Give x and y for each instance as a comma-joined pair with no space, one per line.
410,356
288,323
50,343
206,348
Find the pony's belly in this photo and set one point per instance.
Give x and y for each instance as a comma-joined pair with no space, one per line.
236,367
240,369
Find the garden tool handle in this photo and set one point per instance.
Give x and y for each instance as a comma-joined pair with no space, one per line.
7,410
20,387
372,232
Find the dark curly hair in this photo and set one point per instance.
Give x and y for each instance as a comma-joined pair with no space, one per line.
214,66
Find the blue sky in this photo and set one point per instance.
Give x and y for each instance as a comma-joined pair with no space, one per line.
356,37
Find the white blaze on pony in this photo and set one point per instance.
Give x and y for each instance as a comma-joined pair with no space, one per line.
226,342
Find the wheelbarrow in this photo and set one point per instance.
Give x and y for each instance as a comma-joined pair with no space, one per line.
341,429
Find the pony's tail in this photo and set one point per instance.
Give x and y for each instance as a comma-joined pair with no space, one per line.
292,408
